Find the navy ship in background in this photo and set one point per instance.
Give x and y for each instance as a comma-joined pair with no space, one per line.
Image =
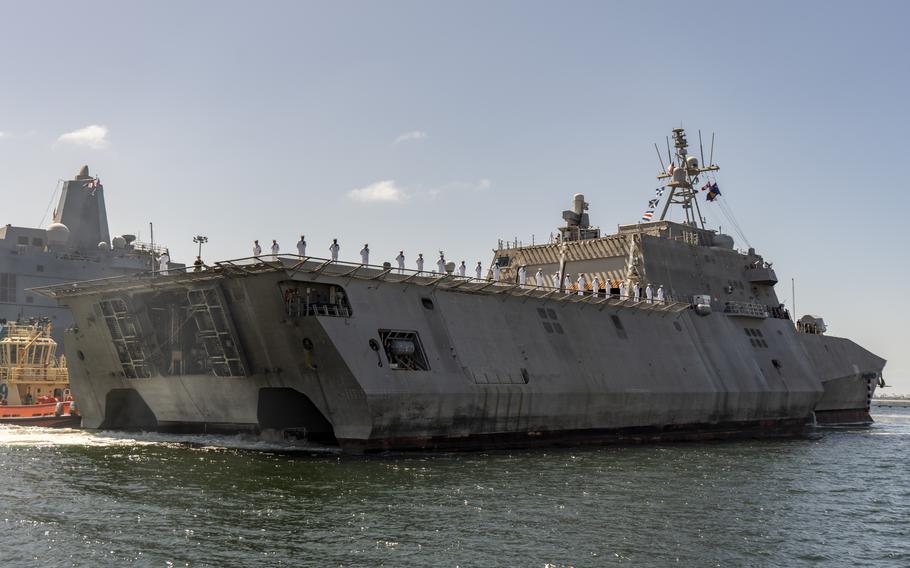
76,246
371,358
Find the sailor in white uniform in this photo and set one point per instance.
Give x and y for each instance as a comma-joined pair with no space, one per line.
478,270
522,276
301,246
622,289
556,279
400,259
275,249
419,263
257,250
497,272
162,263
649,293
595,286
334,248
538,278
441,264
636,291
567,285
660,294
462,269
581,284
365,254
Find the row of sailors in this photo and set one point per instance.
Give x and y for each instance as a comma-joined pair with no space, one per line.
335,248
580,286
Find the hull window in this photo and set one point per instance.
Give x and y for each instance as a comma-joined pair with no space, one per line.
310,299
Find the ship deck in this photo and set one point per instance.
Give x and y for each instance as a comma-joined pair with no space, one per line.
315,267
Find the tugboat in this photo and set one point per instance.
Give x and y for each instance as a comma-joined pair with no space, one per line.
34,384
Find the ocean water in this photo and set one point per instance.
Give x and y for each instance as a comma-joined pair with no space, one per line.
839,497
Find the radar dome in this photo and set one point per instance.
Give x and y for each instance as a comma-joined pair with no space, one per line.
103,246
57,234
118,242
692,162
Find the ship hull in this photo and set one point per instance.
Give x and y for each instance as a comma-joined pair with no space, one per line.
504,368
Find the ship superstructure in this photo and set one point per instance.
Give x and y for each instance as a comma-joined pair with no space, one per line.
372,358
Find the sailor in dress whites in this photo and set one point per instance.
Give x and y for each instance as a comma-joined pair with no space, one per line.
301,246
462,269
275,249
400,259
581,284
595,285
334,248
441,263
538,278
522,276
257,250
162,263
660,294
365,254
497,272
649,293
419,263
567,284
556,279
478,270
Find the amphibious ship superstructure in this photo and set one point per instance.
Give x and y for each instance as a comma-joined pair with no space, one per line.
682,337
76,246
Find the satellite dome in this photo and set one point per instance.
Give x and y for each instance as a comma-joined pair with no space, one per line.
118,242
57,234
692,162
83,173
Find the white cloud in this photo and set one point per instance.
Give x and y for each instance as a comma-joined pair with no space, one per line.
409,136
377,192
92,136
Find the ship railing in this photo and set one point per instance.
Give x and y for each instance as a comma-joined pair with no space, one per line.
34,375
315,267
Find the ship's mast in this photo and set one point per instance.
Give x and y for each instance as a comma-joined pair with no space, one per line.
683,173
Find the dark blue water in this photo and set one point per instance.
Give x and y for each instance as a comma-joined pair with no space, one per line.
837,498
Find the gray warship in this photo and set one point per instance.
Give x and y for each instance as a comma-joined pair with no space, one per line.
75,246
375,358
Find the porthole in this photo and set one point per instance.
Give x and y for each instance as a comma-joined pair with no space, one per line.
427,303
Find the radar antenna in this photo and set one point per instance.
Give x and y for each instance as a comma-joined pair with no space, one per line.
683,174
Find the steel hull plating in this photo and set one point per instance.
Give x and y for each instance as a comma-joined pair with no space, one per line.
506,368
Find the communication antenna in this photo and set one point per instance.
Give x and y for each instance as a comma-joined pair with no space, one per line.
663,168
701,148
686,170
669,155
712,150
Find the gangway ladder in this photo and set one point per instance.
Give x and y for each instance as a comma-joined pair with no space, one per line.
125,335
215,333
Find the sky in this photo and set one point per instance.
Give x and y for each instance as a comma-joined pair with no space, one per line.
429,126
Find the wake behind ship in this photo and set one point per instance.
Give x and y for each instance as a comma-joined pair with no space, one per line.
667,333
